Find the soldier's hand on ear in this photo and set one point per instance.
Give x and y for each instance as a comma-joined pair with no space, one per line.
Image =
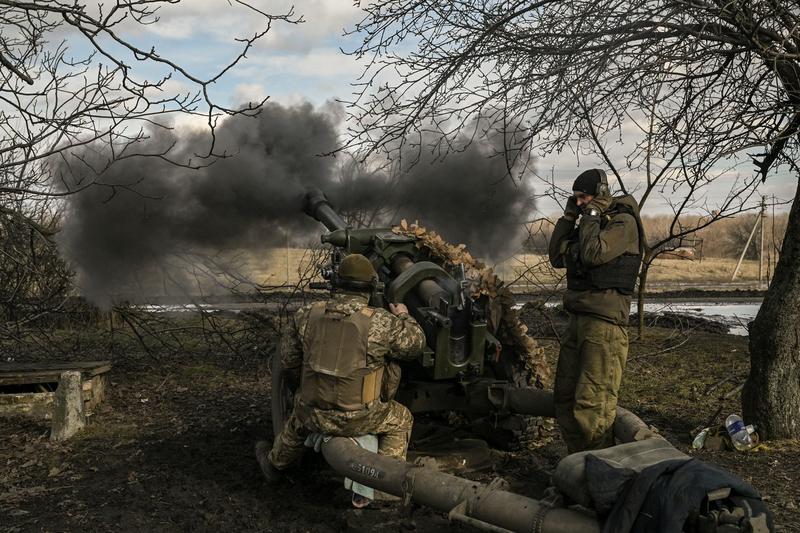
571,210
601,202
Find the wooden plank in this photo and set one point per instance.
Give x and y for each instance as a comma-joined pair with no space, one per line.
27,373
28,379
32,404
41,405
53,365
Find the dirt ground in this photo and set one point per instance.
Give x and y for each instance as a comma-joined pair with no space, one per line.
171,448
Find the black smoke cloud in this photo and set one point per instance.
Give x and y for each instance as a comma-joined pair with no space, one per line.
145,210
467,198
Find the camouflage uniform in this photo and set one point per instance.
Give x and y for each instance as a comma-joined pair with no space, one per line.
594,347
389,336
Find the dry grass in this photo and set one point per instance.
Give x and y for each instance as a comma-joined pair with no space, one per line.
280,266
708,270
711,269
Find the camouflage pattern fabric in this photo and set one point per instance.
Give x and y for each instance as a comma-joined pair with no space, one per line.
391,381
390,337
502,317
588,376
390,421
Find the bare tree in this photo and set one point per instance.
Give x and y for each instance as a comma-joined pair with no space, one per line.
679,172
34,278
77,75
54,101
719,81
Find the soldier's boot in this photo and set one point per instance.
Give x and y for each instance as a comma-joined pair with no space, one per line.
272,474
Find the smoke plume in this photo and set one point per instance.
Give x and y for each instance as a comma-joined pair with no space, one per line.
143,211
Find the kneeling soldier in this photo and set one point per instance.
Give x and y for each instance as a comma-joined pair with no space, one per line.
341,348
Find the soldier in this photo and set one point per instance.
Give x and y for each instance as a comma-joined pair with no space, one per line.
340,348
602,256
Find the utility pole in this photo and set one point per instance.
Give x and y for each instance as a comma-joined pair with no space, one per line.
747,245
286,236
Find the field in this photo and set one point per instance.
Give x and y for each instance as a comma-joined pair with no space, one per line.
527,271
171,447
531,272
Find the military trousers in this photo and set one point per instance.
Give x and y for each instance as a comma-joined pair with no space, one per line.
588,376
390,421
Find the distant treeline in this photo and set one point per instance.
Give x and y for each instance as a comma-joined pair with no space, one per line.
723,238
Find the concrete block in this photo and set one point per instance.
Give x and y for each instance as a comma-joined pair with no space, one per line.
68,415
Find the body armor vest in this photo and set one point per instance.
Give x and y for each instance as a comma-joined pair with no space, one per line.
335,370
620,273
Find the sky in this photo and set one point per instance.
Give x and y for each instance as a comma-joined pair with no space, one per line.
290,64
304,62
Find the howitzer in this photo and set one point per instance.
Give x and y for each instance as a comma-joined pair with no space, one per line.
454,324
463,367
464,370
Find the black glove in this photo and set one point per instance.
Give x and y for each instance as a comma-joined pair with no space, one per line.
599,204
571,210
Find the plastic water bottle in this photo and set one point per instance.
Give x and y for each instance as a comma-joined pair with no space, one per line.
738,431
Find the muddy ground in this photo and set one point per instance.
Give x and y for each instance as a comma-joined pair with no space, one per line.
170,449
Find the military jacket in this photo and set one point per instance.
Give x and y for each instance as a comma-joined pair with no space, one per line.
387,336
600,240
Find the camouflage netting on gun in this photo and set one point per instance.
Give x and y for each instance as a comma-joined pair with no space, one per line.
503,320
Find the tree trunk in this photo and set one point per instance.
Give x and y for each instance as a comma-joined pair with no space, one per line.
771,394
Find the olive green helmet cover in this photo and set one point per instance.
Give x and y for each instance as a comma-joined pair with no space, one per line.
356,267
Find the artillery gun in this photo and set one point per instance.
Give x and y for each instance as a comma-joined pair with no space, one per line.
464,367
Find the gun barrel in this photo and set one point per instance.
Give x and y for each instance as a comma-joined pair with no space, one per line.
428,290
318,207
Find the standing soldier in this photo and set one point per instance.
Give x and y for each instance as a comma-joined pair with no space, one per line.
602,256
340,348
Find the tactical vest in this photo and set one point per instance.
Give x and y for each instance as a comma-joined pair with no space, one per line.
620,273
335,371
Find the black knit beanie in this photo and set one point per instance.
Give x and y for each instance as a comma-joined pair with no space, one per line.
587,181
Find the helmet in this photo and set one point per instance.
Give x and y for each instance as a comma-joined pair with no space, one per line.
356,267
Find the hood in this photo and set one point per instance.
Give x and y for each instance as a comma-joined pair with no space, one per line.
629,201
626,200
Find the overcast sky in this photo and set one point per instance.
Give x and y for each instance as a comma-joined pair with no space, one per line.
292,63
303,62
